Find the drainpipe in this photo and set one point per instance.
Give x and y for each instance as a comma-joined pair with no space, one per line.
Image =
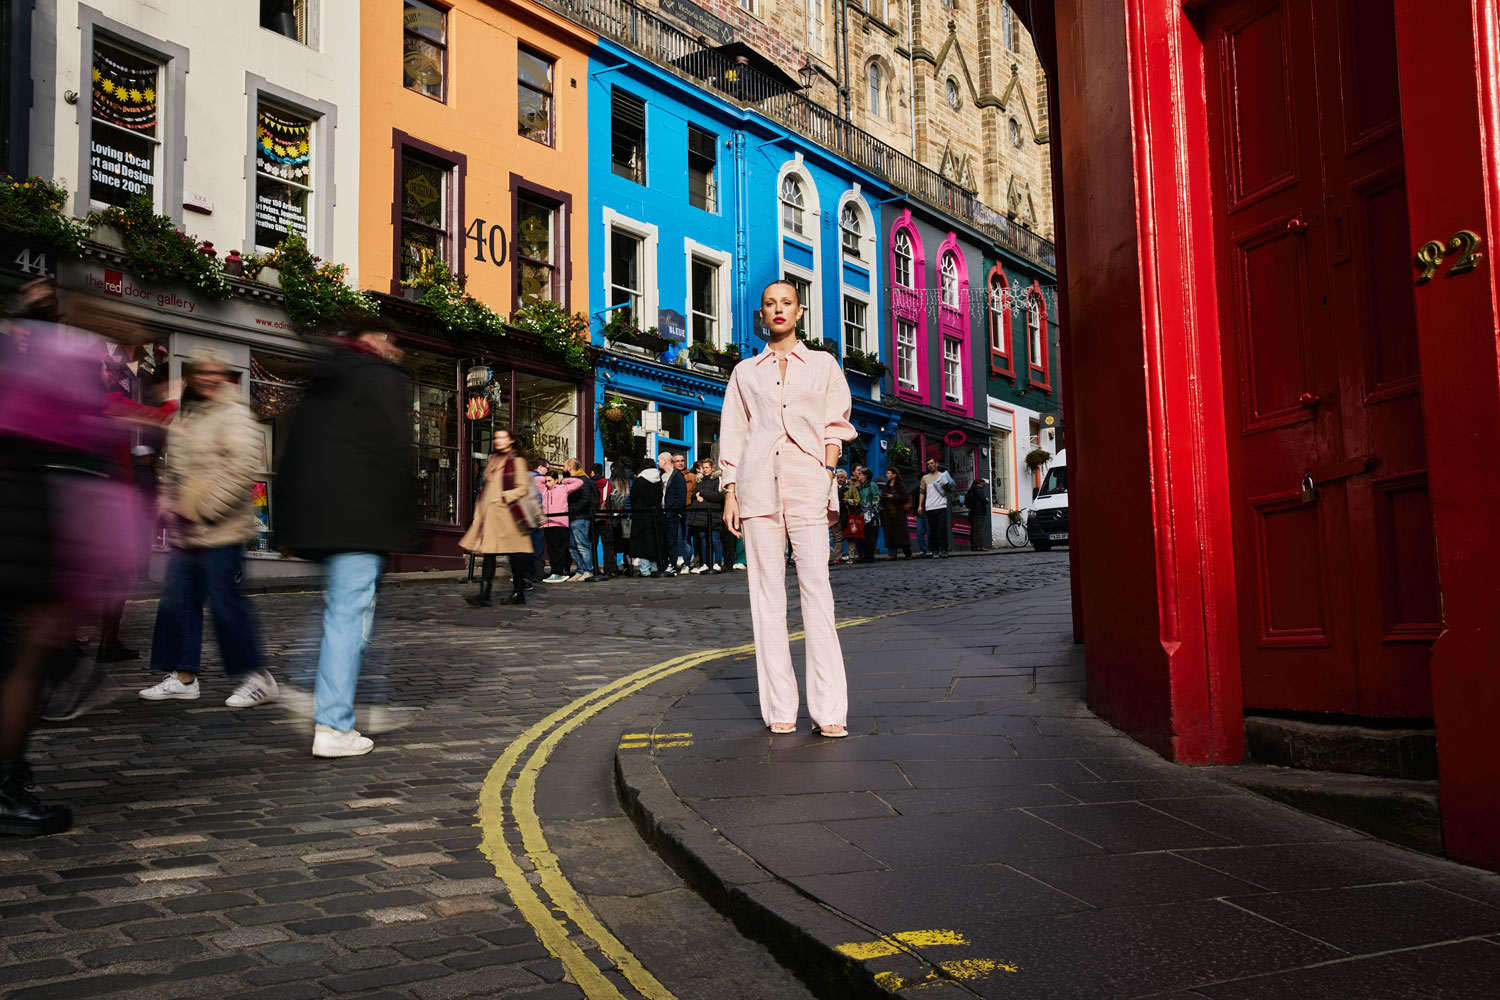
911,81
844,89
741,238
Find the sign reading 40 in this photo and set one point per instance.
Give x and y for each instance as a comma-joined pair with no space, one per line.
487,237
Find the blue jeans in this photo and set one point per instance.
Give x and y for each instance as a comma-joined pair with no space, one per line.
922,532
193,575
349,611
538,552
580,544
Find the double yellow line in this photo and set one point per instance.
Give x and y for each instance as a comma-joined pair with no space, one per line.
519,802
497,802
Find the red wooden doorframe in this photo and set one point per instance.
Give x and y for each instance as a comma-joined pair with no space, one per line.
1452,140
1149,469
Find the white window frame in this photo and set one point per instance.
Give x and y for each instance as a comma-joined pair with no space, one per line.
904,240
868,259
724,325
811,238
324,118
798,208
649,237
954,375
1034,346
855,299
911,384
948,279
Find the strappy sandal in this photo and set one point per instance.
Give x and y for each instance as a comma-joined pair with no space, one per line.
825,731
782,728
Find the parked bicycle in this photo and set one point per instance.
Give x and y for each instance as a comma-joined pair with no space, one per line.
1015,531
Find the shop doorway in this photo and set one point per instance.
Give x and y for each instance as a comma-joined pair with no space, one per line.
1335,559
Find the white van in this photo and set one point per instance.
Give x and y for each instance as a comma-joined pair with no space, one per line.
1047,524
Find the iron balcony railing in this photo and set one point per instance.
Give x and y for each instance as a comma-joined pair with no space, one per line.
642,30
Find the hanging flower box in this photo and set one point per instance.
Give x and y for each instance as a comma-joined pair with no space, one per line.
865,364
722,360
827,347
623,332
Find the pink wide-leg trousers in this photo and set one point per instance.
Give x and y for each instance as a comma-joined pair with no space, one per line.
765,550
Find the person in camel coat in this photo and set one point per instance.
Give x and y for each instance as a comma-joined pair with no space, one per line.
499,523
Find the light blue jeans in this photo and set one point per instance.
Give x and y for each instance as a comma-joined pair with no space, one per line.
349,612
580,546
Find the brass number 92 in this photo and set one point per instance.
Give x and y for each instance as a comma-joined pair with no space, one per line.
1430,255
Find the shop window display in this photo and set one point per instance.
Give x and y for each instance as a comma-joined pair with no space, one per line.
435,427
276,386
546,421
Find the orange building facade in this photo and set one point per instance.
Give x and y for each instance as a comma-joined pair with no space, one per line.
475,157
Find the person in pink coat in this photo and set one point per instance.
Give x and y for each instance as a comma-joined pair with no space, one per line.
555,490
785,421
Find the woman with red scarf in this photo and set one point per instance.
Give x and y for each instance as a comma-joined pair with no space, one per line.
499,523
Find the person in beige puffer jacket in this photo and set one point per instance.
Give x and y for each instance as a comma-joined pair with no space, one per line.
211,460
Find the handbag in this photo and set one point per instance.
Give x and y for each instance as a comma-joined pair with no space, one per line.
855,528
528,510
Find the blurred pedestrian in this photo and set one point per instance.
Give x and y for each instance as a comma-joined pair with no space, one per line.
211,462
58,502
895,504
648,536
778,460
500,525
346,495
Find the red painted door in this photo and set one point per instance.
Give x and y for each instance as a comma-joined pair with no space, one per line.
1337,580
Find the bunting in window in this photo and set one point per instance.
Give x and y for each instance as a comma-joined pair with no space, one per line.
124,90
283,146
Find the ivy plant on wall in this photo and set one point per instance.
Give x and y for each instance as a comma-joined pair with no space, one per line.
317,294
33,207
155,250
445,293
567,335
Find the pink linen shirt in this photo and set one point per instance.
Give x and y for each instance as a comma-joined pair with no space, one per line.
771,436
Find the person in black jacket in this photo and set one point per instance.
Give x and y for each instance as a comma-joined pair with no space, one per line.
648,539
346,495
582,503
674,507
705,517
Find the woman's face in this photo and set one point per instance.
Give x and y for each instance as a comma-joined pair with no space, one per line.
502,441
890,475
210,380
864,476
779,309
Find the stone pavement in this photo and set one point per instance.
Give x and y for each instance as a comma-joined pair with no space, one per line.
981,833
214,857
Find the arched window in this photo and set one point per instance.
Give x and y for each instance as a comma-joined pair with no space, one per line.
1039,364
903,259
792,202
948,275
1000,299
875,86
851,229
1034,330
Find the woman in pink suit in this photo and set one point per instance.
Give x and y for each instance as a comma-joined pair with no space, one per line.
786,417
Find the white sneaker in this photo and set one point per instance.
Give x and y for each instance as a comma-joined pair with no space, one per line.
329,742
258,688
556,578
739,566
170,689
699,571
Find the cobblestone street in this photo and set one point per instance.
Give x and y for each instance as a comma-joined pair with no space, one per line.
213,856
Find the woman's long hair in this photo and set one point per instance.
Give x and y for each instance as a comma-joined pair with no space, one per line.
898,483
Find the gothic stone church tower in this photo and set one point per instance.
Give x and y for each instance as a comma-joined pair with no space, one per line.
955,84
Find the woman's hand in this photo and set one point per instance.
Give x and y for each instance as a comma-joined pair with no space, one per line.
732,514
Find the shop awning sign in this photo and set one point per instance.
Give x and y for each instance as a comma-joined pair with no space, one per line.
955,438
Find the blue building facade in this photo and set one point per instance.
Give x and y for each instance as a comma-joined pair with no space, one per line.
698,204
